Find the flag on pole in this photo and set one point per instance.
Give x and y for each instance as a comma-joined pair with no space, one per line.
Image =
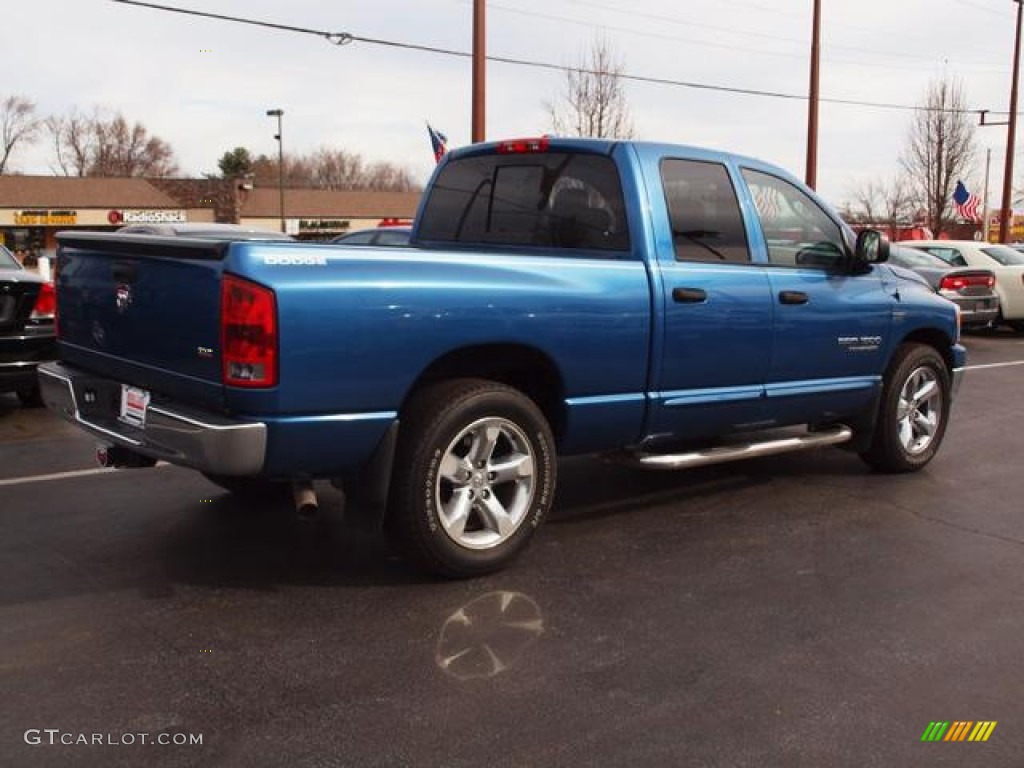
965,203
439,142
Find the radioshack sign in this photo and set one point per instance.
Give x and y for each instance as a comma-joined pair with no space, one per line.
139,216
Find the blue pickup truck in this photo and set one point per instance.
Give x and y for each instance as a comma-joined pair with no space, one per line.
665,306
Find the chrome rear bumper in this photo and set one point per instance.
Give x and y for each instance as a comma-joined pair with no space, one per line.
205,441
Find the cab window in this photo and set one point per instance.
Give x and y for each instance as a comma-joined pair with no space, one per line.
703,212
797,232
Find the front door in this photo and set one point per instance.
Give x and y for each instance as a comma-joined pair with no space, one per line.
831,324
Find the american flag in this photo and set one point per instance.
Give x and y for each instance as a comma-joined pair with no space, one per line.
766,199
439,142
965,203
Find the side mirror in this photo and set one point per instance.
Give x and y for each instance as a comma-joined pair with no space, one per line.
872,247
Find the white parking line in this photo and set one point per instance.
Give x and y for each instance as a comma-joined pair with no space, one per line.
994,365
65,475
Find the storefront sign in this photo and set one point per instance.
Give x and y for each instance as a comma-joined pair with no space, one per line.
45,218
135,216
323,226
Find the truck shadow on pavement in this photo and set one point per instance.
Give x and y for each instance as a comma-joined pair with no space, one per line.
233,543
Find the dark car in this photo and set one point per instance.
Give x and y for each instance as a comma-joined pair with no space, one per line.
376,236
27,327
204,230
971,288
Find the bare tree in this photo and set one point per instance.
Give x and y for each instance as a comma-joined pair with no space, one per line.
328,168
940,149
101,145
883,203
594,101
18,124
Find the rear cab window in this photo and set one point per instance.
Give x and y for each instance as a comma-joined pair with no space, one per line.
565,200
704,213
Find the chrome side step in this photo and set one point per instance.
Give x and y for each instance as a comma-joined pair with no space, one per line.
724,453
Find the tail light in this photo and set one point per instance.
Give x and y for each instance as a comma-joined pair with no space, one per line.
523,146
959,282
46,303
248,333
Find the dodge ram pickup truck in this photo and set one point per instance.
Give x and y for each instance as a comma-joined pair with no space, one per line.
662,305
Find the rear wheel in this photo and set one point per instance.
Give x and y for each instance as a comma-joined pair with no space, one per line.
474,477
1017,325
913,411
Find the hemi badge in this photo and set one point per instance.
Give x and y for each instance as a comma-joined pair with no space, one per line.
204,352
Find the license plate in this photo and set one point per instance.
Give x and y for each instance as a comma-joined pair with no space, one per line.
134,402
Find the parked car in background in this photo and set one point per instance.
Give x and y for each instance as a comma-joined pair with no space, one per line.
973,290
27,335
204,230
376,236
1006,263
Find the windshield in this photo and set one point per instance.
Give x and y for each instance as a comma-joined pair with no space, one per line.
7,260
1004,255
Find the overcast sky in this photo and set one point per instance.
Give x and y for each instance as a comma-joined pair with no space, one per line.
205,85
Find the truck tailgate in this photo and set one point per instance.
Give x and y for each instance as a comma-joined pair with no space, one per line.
144,309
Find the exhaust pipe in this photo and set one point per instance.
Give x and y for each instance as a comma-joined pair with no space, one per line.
304,497
119,457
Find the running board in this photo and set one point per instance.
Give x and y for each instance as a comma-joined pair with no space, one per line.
722,454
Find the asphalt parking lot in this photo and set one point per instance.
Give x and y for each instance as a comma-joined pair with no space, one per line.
792,611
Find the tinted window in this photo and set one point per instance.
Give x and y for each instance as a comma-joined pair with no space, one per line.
797,231
359,238
948,255
704,212
908,257
1004,255
393,237
557,199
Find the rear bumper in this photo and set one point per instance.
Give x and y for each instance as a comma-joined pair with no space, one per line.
205,441
19,356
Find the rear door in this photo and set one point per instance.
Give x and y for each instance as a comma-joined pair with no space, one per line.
145,310
716,311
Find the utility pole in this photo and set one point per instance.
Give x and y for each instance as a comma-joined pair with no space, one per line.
812,107
479,71
1006,212
988,164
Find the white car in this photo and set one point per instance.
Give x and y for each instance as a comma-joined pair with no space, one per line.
1005,262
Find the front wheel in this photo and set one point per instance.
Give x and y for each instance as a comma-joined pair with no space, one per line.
474,476
913,411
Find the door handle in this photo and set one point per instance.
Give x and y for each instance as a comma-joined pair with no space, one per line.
792,297
689,295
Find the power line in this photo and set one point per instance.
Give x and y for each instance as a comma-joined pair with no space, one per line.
744,50
345,38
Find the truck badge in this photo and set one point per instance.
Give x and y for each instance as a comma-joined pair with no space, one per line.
124,297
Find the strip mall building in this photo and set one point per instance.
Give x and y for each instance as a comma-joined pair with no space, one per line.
34,208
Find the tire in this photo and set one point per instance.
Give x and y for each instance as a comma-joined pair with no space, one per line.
30,397
249,488
474,476
914,409
1017,325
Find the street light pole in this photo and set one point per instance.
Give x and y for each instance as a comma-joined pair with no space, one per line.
1005,212
279,113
